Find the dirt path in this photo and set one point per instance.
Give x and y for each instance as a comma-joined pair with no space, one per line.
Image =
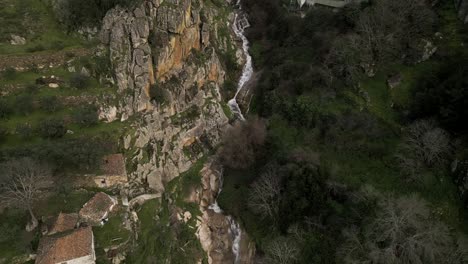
41,59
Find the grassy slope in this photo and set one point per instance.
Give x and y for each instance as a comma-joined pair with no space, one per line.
35,21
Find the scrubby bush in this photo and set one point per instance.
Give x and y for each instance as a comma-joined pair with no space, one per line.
86,116
425,145
24,104
79,81
36,48
402,231
3,134
82,13
241,143
158,94
9,73
50,104
25,131
32,89
52,128
441,92
5,109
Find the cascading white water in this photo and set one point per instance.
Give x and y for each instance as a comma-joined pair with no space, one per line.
240,24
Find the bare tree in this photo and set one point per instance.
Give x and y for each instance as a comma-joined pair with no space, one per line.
387,28
424,145
282,250
21,181
241,143
403,231
265,192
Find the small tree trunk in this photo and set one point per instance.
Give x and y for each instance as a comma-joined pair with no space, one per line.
34,223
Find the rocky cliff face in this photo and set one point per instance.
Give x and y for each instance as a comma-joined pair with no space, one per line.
166,59
215,230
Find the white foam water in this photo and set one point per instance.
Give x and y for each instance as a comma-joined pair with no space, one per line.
239,26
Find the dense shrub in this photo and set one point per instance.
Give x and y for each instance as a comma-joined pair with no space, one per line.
9,73
50,104
242,143
442,92
86,116
79,81
5,109
24,104
158,94
52,128
3,134
80,13
304,192
32,89
25,131
81,154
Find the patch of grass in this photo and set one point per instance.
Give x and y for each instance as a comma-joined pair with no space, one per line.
111,233
35,21
66,202
16,241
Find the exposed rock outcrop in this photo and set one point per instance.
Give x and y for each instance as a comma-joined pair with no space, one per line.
166,61
215,230
166,56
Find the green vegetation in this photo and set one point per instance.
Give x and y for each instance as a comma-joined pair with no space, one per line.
112,232
343,151
89,13
35,21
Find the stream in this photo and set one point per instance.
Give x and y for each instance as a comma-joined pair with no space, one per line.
239,26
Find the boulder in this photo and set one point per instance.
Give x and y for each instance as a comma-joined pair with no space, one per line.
394,81
17,40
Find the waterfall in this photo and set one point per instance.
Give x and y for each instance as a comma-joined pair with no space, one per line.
239,26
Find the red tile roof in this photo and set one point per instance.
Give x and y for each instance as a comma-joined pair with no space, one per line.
97,208
65,246
64,222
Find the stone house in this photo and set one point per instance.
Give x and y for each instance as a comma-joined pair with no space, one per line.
96,210
71,247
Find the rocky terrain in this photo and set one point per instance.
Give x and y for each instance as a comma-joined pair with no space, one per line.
173,48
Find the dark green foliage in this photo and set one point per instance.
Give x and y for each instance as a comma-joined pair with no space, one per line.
5,109
8,231
25,131
86,116
52,128
24,104
79,81
443,92
9,73
79,13
51,104
3,134
158,94
36,48
304,193
77,154
32,89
